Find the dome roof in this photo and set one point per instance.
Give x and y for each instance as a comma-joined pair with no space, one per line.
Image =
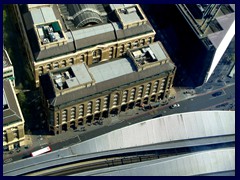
84,14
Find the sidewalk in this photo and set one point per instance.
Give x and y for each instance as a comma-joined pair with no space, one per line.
38,141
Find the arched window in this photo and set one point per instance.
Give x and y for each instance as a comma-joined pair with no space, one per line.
128,46
73,113
89,107
135,44
64,115
57,118
97,53
71,61
55,65
111,51
142,42
149,40
64,63
81,58
48,67
40,70
121,49
81,110
116,99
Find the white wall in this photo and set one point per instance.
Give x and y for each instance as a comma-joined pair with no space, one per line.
222,48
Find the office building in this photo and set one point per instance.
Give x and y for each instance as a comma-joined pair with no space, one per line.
214,27
61,35
80,94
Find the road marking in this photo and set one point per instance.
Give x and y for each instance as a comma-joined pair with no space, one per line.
79,139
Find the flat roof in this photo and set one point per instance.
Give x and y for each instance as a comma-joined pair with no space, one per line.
78,38
110,70
116,6
81,73
82,94
225,22
36,5
42,15
130,17
147,56
71,77
213,12
158,51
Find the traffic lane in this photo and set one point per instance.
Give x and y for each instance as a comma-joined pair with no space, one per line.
230,91
23,154
65,143
201,101
195,103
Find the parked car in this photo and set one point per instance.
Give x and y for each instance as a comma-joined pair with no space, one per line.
217,94
174,106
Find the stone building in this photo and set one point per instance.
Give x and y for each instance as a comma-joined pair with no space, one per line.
60,35
80,94
13,121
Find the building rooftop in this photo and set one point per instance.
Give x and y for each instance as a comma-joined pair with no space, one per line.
111,70
203,18
118,6
42,15
101,78
60,29
225,22
129,15
147,56
84,81
76,75
11,108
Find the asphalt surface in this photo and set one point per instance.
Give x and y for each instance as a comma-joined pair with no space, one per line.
196,102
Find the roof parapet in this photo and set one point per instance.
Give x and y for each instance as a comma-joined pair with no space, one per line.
131,16
50,34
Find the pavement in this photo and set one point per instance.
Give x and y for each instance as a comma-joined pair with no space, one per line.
129,117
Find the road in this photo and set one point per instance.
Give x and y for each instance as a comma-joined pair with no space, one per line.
203,101
196,103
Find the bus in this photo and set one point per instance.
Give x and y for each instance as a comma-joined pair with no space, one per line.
41,151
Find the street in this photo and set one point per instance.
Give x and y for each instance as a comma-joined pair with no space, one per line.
197,102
